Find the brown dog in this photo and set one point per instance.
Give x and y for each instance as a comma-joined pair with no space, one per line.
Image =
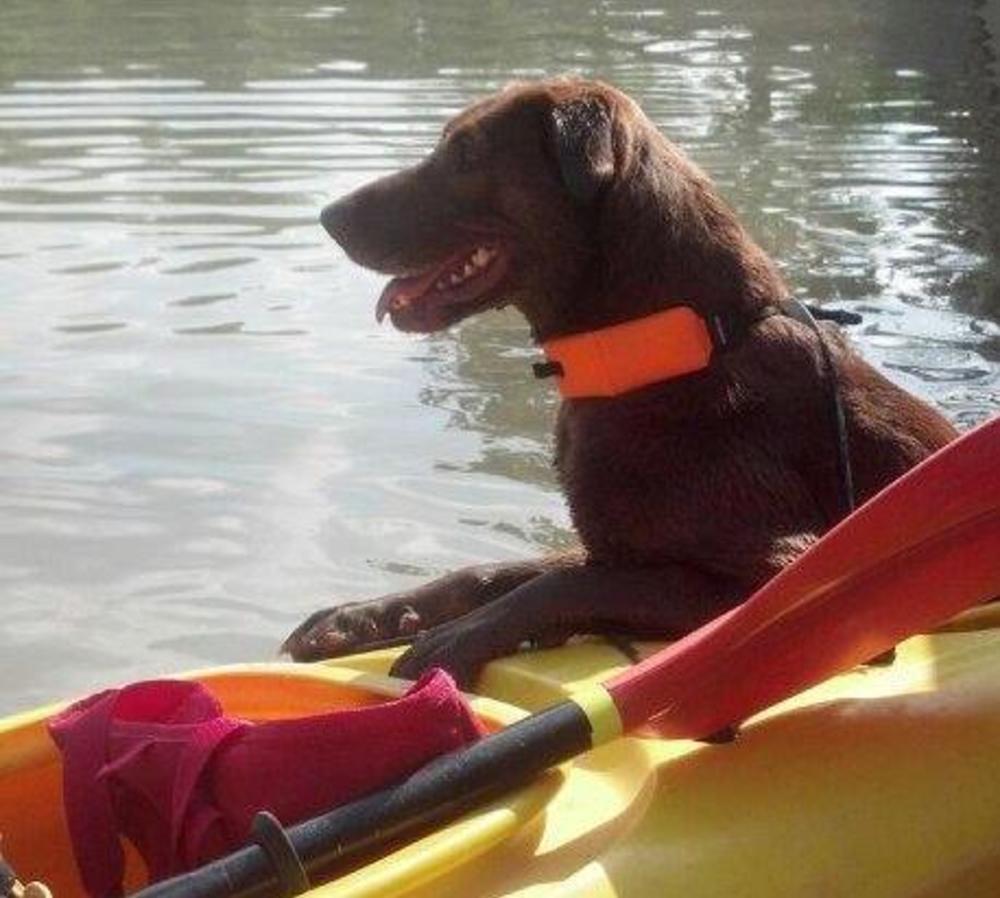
690,483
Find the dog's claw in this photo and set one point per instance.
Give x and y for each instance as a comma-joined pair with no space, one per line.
351,628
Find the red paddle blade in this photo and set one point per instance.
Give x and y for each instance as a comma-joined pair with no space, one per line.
925,548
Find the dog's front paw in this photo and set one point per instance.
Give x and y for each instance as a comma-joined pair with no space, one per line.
351,628
462,648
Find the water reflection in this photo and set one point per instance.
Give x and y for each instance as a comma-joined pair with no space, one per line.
203,431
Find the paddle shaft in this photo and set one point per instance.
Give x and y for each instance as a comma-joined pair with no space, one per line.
916,554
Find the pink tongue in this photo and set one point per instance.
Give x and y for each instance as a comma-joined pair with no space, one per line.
401,291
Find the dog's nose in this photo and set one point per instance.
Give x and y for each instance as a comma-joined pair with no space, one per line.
330,218
334,219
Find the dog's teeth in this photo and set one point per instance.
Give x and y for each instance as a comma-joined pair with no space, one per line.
473,265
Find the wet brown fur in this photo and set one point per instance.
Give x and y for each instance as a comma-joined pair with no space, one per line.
686,495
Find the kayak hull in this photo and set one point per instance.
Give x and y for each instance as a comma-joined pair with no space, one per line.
881,782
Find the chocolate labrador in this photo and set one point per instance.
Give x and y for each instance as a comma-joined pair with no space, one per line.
695,441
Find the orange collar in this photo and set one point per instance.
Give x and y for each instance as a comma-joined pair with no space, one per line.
614,360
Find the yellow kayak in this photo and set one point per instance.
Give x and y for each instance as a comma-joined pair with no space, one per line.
880,782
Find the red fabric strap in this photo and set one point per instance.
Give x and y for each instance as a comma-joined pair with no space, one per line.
162,765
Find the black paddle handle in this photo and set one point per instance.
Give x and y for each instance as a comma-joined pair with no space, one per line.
435,794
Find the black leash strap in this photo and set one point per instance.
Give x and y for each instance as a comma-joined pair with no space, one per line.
794,309
267,831
727,333
837,316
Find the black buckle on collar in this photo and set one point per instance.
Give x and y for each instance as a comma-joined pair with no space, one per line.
726,331
541,370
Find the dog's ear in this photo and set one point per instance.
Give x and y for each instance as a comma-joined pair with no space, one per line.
584,150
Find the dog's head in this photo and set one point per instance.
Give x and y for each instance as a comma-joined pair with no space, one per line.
532,197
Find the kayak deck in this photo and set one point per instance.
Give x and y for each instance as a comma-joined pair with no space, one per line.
880,782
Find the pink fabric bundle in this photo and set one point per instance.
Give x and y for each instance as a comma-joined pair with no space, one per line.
159,763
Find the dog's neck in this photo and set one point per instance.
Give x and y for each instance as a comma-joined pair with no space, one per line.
662,237
735,284
657,309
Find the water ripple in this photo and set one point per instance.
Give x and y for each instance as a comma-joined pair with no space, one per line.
204,433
